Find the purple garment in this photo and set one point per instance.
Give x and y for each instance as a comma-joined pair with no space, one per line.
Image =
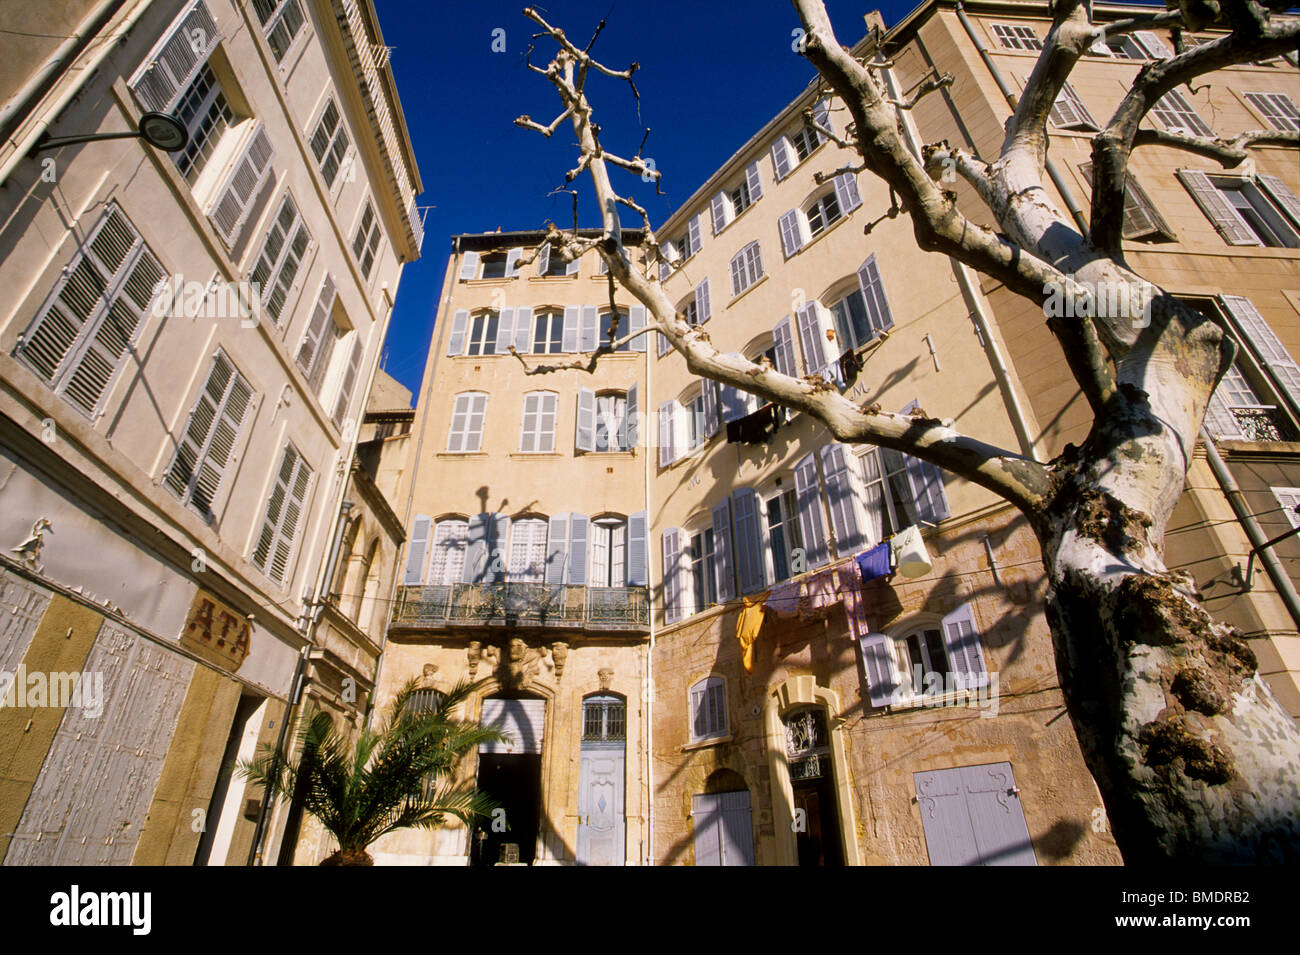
875,563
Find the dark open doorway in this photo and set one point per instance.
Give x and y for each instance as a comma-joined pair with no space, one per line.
515,782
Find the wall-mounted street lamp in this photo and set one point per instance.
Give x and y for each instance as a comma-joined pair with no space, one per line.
160,130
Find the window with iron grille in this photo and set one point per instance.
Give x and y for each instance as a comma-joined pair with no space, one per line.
421,702
329,142
807,744
604,720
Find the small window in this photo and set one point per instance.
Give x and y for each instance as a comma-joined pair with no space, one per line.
708,709
1264,218
611,411
281,20
824,211
700,550
1177,115
365,245
539,422
482,333
604,719
495,265
467,422
447,557
548,332
555,264
1016,36
527,551
608,552
206,113
917,655
607,323
421,702
329,142
1277,109
1125,48
784,535
740,198
746,268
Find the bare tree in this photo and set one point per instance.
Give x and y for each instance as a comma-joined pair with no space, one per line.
1195,758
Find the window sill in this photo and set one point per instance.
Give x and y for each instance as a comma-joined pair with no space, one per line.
706,743
536,454
948,699
761,279
460,454
629,453
552,278
819,236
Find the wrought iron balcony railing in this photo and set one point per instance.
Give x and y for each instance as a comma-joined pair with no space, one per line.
1262,423
522,604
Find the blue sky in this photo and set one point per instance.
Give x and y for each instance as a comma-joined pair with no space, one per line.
711,74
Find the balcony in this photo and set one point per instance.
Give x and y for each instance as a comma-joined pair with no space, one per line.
1262,423
523,605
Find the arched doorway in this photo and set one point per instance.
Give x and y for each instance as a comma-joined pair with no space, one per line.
511,774
812,780
602,824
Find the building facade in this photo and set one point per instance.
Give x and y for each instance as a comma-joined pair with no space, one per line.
186,346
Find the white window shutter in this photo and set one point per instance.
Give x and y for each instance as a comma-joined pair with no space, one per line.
474,425
745,532
571,268
579,528
724,572
810,339
695,232
718,207
962,641
569,338
846,192
667,432
706,825
927,489
344,399
1266,343
842,497
665,270
792,239
175,61
512,262
459,326
783,344
1217,209
878,664
1220,422
664,345
590,328
703,308
1151,42
754,181
709,394
782,158
310,349
636,322
476,550
1100,48
557,549
737,837
822,117
208,443
229,212
638,550
469,266
416,550
672,575
544,259
585,439
809,501
505,332
631,426
523,329
1283,196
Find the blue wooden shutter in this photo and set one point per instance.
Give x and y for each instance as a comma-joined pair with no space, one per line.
846,192
791,234
672,575
459,323
809,500
569,338
695,232
638,550
667,432
557,549
586,430
822,117
544,259
578,535
512,262
505,331
972,816
523,329
873,294
631,418
810,339
718,208
949,835
842,500
878,665
703,307
723,571
737,836
783,343
782,158
476,553
709,392
706,819
417,548
590,328
962,641
754,181
749,553
636,320
469,266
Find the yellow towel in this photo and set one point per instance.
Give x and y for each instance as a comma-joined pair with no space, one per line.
747,626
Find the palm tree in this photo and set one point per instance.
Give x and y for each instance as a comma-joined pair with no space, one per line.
394,778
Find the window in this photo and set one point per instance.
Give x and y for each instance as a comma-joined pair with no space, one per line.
799,226
604,719
703,567
611,409
1125,48
1177,115
606,325
550,262
494,265
284,510
900,490
822,213
482,333
539,422
608,553
548,333
805,140
746,268
1258,212
1236,411
280,259
329,142
708,709
281,20
699,428
1277,109
527,551
366,242
447,560
1142,221
919,654
81,335
207,445
467,422
1068,112
206,113
1015,36
783,533
852,324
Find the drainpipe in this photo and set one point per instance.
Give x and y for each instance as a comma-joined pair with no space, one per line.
979,313
648,692
1057,179
1276,573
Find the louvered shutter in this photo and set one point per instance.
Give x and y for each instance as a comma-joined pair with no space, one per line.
667,431
1068,112
476,552
695,233
709,394
505,332
810,339
1270,348
234,201
590,328
926,481
636,323
664,345
791,234
638,549
1217,209
498,532
1283,196
962,641
672,575
842,499
706,820
569,338
703,307
544,259
521,721
310,350
809,501
349,384
208,443
283,510
665,270
585,439
512,262
459,325
822,117
557,549
177,59
1220,422
523,329
417,549
782,158
724,572
873,295
754,181
733,401
718,209
469,266
631,425
474,422
745,534
846,192
783,345
737,830
878,664
579,533
1151,42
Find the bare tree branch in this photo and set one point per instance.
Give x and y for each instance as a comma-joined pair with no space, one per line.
1229,152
